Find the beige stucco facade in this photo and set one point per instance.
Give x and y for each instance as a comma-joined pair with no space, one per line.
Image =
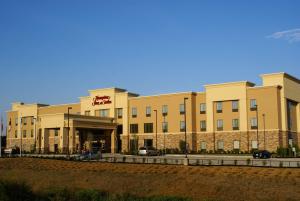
223,117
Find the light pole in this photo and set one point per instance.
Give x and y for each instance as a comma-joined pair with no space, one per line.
155,129
21,136
164,131
68,151
34,119
264,120
184,101
256,107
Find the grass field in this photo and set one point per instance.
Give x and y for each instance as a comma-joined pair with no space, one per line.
199,183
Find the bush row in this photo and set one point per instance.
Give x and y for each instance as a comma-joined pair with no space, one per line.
19,191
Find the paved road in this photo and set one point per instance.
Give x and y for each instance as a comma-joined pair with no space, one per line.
207,156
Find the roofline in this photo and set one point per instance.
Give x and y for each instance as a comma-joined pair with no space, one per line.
284,74
30,104
109,88
60,105
177,93
230,83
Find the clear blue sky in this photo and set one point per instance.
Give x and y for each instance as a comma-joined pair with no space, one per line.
54,51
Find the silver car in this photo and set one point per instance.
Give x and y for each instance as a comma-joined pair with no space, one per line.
148,151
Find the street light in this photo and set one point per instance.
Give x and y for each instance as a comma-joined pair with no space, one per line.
264,120
68,154
34,119
256,108
21,136
155,129
184,101
164,131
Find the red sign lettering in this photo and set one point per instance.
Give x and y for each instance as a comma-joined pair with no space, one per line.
101,100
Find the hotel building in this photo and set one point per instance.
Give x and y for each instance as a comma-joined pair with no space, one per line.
228,116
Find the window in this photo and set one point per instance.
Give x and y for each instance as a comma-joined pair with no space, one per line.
181,108
24,133
31,133
253,104
148,127
202,108
56,132
182,126
254,144
236,144
203,125
134,128
24,121
148,142
165,127
235,124
219,124
104,113
235,106
119,113
253,123
16,121
148,111
87,113
134,112
203,146
220,145
32,120
219,107
9,122
16,134
164,110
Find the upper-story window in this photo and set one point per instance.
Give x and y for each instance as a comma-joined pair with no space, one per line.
24,133
182,126
120,113
32,120
87,113
24,121
202,108
253,104
104,113
220,124
16,133
134,112
253,122
16,121
235,124
203,125
219,107
165,127
9,122
181,108
235,106
134,128
148,111
31,133
148,127
164,110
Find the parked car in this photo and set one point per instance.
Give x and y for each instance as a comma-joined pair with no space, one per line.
262,154
148,151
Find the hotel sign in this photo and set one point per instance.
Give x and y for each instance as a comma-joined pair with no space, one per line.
101,100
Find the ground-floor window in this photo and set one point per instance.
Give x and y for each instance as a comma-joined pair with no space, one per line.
236,144
254,144
220,145
203,146
133,145
148,142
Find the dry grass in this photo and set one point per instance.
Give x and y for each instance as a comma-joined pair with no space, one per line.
217,183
